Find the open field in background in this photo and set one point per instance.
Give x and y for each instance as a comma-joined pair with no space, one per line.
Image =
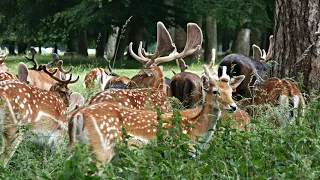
266,152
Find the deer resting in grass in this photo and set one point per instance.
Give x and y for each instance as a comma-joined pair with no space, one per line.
22,105
98,77
101,123
36,77
255,69
150,75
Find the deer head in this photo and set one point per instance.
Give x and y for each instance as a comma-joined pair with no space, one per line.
61,87
147,75
3,67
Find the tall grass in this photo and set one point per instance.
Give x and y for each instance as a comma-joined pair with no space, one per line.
291,151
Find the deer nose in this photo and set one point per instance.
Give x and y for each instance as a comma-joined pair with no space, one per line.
233,107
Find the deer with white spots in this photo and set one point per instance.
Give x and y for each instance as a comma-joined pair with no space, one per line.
36,77
101,123
98,77
45,112
150,78
3,67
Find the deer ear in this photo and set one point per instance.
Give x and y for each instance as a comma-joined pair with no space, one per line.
148,72
23,72
205,82
235,81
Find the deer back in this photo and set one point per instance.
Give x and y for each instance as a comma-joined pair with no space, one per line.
133,98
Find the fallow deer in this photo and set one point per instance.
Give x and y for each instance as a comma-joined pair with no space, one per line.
37,77
45,112
6,76
255,70
3,67
275,91
191,93
98,77
155,96
101,123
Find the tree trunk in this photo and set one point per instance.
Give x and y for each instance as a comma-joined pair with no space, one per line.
210,37
242,43
72,44
40,52
22,47
11,48
83,43
180,38
297,49
135,35
55,49
256,38
101,43
112,42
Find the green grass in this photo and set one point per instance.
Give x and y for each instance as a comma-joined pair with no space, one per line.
266,152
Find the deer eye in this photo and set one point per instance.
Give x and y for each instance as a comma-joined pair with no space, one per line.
216,91
140,75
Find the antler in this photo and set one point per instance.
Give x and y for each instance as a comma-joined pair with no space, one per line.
182,64
164,45
33,58
55,58
59,65
257,54
270,50
44,68
193,44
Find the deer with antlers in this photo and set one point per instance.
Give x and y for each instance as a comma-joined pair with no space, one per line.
36,77
45,111
98,77
255,69
101,123
3,67
151,75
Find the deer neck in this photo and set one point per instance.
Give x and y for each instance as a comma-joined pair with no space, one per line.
209,116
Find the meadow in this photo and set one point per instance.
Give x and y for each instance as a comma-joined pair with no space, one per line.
291,151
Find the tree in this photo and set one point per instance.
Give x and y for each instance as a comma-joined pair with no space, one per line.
297,47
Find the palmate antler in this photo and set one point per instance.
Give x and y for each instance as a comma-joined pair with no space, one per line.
164,45
261,55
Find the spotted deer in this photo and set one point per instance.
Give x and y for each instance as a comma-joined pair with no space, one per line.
3,67
155,96
101,123
275,92
24,105
5,76
99,78
187,87
39,78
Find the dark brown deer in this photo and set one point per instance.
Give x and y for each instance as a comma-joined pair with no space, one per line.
45,112
255,69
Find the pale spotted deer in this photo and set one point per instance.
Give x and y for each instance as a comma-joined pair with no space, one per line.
36,77
45,112
99,78
3,67
151,75
101,123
